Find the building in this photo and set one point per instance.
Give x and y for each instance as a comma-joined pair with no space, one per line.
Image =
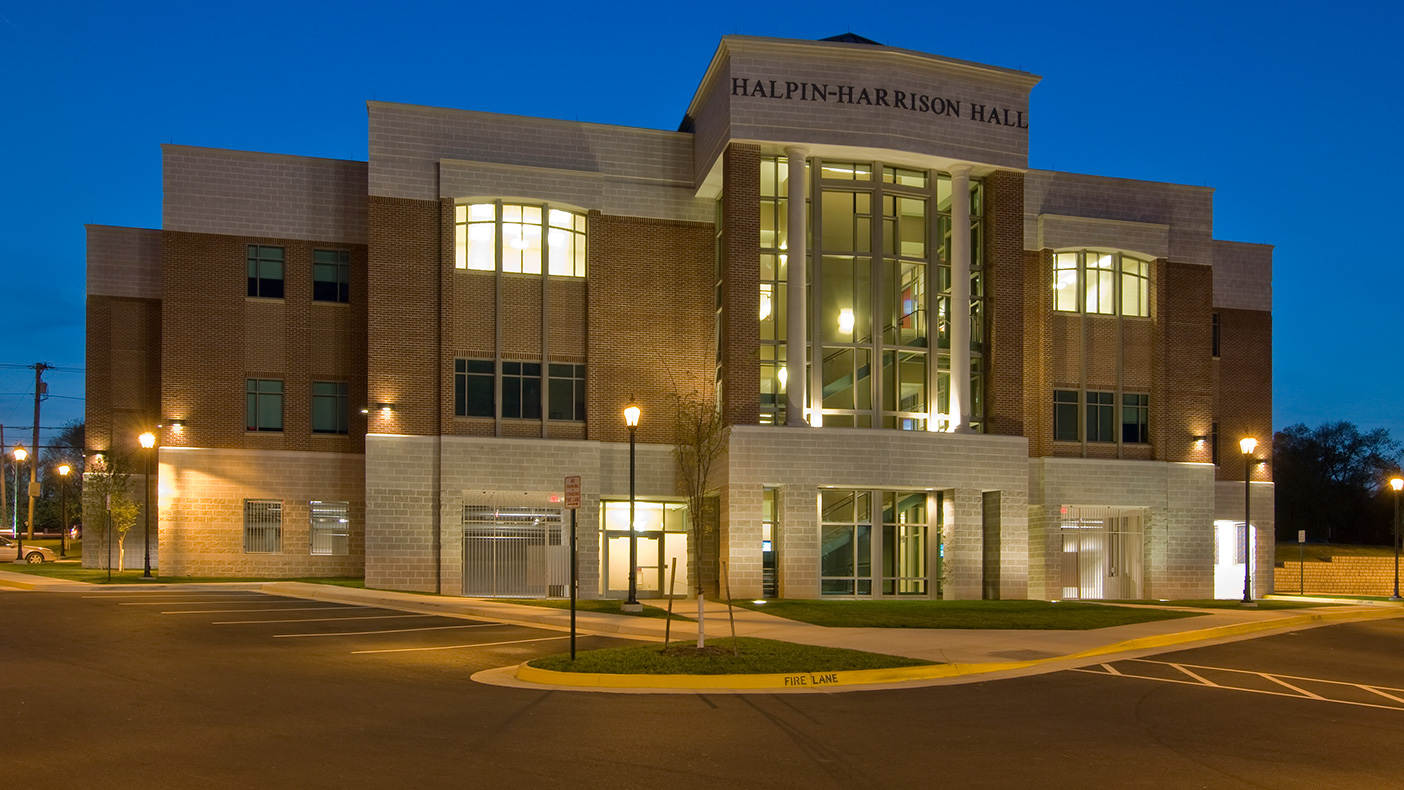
425,344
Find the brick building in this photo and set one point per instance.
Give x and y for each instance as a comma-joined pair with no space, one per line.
985,380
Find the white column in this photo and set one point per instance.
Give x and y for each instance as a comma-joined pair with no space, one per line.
960,298
795,290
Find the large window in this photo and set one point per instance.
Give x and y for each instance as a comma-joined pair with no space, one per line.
330,527
1099,416
567,391
525,237
265,265
1135,418
472,388
880,290
845,543
263,526
329,407
331,276
1101,283
855,559
1065,423
521,390
263,405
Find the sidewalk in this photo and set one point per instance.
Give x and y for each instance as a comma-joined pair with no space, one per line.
988,654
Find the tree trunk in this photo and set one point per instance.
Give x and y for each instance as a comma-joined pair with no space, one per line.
701,621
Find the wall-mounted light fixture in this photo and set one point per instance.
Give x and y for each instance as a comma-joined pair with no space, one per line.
383,407
176,424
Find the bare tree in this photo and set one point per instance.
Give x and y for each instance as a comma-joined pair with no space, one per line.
699,438
107,501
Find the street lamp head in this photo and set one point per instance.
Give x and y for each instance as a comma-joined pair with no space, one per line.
148,440
64,469
20,452
631,414
1396,483
1248,444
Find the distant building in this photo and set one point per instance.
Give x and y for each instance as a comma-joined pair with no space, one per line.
990,381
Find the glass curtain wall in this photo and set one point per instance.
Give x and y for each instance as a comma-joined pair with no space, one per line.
879,235
875,543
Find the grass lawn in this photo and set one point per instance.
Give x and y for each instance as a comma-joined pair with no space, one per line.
76,573
758,657
608,606
1225,603
1026,615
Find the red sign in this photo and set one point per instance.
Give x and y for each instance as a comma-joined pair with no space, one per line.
572,492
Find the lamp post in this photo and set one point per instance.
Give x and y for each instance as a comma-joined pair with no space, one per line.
63,471
631,419
1247,444
148,441
20,455
1397,484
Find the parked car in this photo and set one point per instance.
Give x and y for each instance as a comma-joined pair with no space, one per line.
32,554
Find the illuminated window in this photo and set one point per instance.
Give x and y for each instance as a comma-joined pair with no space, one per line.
331,276
330,527
531,237
263,405
265,268
1101,283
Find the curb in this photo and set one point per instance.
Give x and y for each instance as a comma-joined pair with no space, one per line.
811,681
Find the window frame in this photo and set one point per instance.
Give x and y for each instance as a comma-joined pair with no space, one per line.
1140,428
340,284
258,401
1070,402
332,521
340,407
572,373
1100,406
562,238
463,393
1089,284
259,255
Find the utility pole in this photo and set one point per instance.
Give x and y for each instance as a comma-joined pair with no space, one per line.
3,498
39,392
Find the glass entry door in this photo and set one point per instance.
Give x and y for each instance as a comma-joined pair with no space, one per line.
661,533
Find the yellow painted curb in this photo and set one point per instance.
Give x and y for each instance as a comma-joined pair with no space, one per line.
862,677
795,680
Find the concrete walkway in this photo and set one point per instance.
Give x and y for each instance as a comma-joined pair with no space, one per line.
1006,652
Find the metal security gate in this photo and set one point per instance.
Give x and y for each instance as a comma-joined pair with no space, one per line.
512,552
1102,552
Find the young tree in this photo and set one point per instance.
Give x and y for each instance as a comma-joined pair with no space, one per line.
699,438
107,502
1329,481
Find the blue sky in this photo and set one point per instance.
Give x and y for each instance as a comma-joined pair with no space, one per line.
1290,110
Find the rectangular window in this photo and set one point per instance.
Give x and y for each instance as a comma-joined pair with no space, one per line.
329,407
1215,341
263,405
1065,289
529,236
330,527
1100,408
1214,444
1135,419
1065,415
331,276
1101,283
263,526
1135,287
845,543
472,388
567,392
265,271
521,390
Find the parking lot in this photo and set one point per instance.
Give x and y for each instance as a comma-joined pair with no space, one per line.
248,619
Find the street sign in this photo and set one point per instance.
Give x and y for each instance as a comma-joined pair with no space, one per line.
572,492
1301,536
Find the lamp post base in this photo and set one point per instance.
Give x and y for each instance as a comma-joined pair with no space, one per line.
633,608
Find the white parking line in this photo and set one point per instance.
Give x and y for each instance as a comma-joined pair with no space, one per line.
237,611
1202,683
323,619
460,647
394,630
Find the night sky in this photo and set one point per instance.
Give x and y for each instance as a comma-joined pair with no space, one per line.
1289,110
